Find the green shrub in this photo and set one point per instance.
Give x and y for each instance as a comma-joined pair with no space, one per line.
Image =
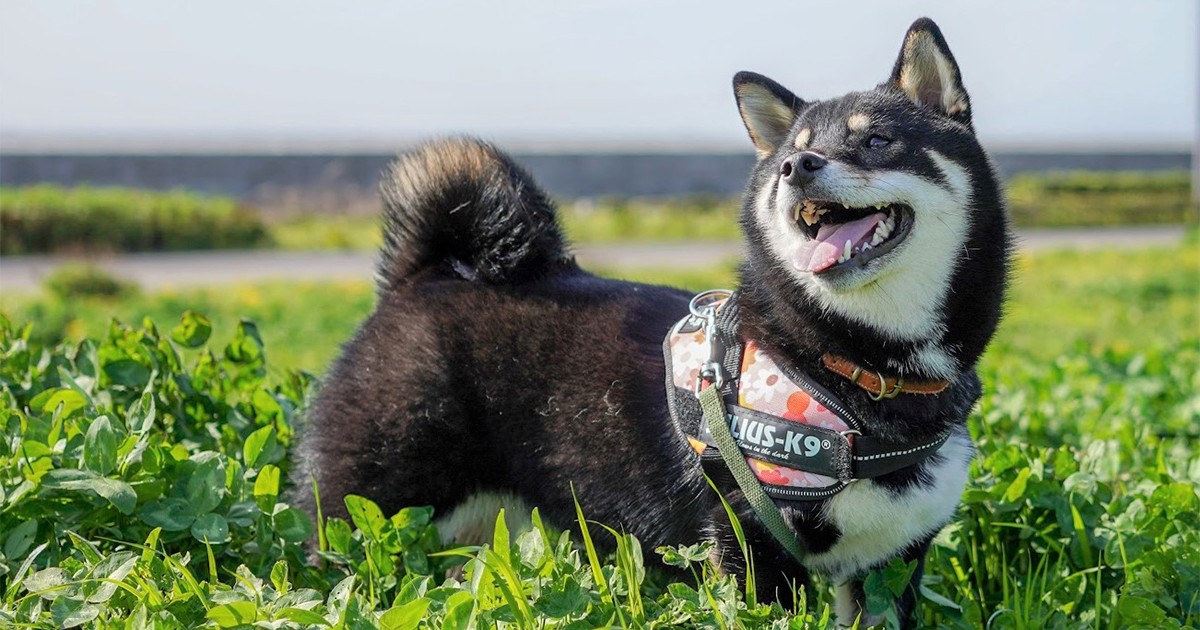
76,280
46,219
1086,198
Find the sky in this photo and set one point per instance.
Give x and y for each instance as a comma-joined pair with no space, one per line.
617,73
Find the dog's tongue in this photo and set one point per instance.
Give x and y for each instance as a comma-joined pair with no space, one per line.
823,252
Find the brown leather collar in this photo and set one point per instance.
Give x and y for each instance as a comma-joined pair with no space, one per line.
878,385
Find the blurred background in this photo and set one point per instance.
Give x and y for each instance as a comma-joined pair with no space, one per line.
169,146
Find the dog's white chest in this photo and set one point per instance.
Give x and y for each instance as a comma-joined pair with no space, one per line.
877,523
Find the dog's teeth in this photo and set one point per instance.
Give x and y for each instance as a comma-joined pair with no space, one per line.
847,251
808,211
867,246
881,232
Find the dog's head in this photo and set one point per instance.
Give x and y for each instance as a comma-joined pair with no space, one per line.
873,201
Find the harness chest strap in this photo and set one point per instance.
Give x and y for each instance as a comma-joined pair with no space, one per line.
846,456
823,445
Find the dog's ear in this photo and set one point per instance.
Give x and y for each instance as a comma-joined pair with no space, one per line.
926,72
767,108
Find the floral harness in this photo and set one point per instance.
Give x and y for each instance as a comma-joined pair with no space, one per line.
798,439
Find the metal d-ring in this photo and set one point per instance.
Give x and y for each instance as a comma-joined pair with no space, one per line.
883,390
706,301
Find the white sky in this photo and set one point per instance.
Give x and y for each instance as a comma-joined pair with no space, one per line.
1083,72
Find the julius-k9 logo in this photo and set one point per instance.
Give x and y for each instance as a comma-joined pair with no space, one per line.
753,433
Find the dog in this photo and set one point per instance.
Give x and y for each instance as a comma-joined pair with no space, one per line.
875,233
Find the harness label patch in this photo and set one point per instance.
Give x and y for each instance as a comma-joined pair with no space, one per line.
760,435
791,447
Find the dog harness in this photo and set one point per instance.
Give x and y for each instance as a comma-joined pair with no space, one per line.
783,436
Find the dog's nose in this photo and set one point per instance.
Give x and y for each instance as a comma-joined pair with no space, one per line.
801,168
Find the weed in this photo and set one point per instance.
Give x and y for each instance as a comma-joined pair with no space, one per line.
74,281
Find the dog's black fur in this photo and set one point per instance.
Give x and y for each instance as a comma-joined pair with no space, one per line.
493,362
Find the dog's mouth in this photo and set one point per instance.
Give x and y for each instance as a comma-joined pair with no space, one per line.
841,237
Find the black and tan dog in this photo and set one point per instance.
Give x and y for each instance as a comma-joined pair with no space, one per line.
876,232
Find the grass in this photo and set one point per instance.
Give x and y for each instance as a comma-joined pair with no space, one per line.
1061,302
140,476
303,322
304,232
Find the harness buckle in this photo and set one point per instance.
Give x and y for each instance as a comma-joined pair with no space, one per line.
703,306
713,373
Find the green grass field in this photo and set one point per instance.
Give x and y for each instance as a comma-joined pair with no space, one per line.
122,455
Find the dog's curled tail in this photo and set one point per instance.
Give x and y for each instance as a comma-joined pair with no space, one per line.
464,208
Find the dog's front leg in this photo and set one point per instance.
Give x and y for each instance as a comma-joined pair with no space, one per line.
850,605
777,577
906,604
852,596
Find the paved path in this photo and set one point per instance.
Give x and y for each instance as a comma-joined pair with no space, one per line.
180,269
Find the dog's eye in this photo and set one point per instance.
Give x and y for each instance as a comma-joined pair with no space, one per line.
876,141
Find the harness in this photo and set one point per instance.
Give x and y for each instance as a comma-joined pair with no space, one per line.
780,433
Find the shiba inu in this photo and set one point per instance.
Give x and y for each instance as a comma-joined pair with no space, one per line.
877,252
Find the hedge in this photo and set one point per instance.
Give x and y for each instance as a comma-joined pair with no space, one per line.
52,219
46,219
1094,198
